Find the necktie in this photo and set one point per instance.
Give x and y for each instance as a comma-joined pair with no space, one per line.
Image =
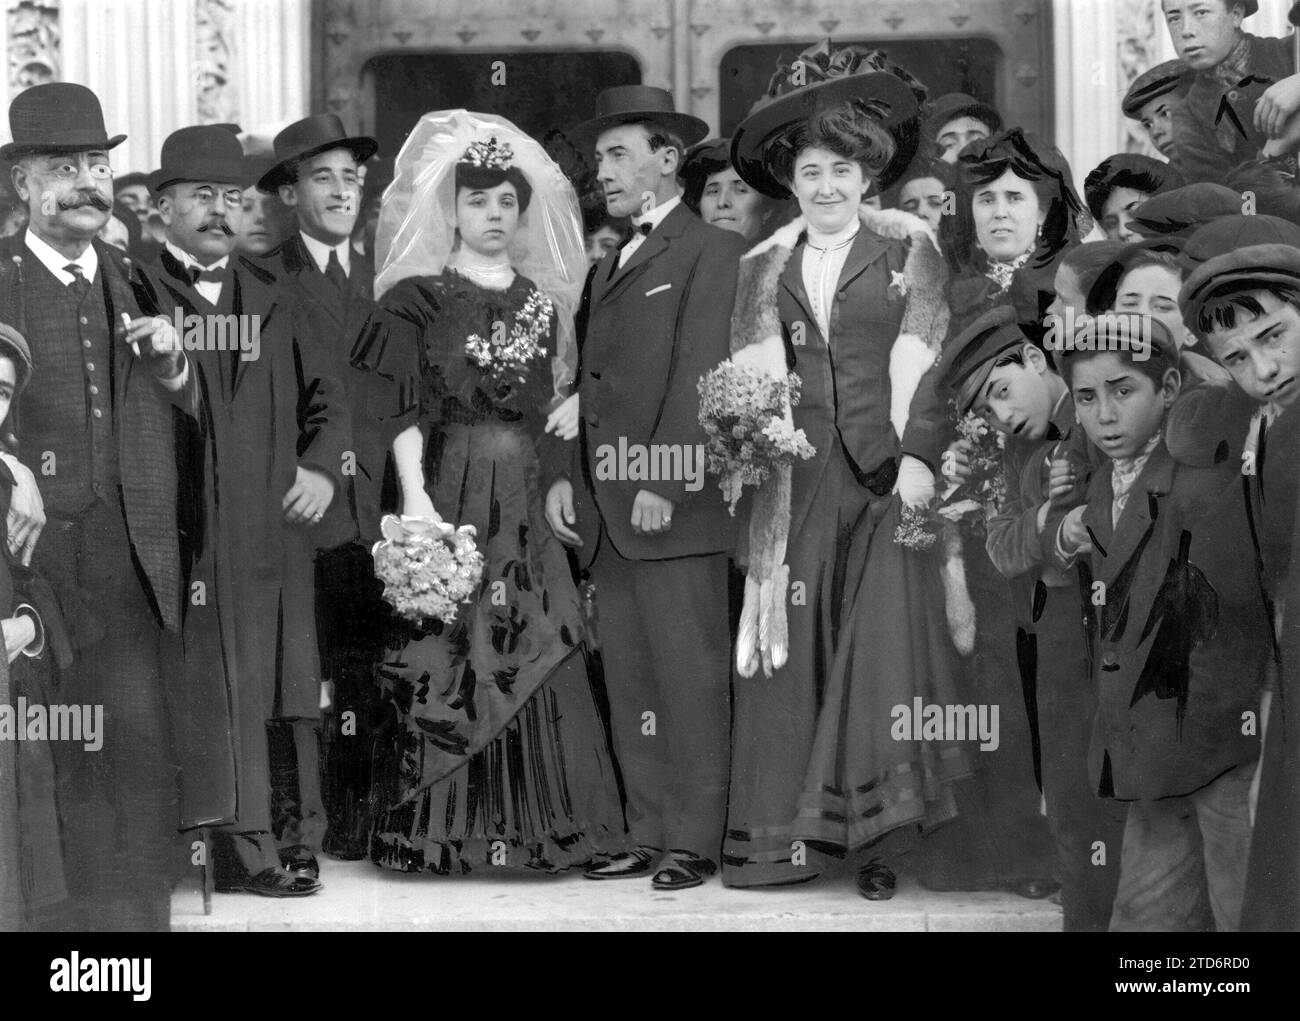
80,285
640,231
334,271
198,275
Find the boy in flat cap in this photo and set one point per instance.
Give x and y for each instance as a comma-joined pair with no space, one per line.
1121,183
1241,100
1179,639
956,119
1245,305
1152,99
999,374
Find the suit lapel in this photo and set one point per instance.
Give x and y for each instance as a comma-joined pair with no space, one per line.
792,281
654,245
868,246
1135,520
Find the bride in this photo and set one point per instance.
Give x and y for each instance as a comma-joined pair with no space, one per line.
494,753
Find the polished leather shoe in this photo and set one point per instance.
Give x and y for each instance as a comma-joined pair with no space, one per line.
1035,889
626,865
876,880
272,883
682,871
299,860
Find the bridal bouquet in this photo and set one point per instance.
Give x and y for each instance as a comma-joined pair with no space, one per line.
509,356
427,567
745,415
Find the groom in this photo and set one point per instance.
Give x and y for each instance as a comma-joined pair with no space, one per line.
655,317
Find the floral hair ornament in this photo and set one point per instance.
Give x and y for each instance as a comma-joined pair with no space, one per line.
489,154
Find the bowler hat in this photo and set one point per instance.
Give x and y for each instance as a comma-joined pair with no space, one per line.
969,357
820,79
206,152
625,104
309,137
57,117
1154,82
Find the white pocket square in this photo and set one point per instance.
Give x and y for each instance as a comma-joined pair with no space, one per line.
656,290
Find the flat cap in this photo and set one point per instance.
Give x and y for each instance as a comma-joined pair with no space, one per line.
1183,210
968,359
1259,266
1229,233
1171,76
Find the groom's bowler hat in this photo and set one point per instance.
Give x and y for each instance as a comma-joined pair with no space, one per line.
309,137
57,117
627,104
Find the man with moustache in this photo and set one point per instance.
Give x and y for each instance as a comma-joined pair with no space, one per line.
655,317
272,443
96,426
316,175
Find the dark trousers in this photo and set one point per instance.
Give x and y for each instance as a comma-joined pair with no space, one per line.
1088,830
118,805
352,619
663,630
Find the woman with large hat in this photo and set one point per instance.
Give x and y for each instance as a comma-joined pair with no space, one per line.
851,300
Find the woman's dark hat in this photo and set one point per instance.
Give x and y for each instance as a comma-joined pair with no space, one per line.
828,78
14,345
57,117
709,157
625,104
207,152
309,137
958,104
1128,170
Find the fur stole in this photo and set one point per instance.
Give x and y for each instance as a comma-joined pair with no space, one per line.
756,339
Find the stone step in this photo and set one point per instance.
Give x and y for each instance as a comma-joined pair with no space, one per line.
358,896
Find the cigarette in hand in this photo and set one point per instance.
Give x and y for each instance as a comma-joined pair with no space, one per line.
126,325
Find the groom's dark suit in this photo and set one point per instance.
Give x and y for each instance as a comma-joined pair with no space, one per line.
648,331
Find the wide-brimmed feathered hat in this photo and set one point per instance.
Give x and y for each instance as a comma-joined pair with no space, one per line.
820,79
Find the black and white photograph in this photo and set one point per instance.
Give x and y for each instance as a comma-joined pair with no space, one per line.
650,466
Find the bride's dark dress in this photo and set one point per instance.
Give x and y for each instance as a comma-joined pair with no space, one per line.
494,753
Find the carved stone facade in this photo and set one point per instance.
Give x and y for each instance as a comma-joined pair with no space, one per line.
213,45
32,35
1140,26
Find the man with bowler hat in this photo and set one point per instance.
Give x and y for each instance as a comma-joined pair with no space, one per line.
316,175
96,427
655,317
272,443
